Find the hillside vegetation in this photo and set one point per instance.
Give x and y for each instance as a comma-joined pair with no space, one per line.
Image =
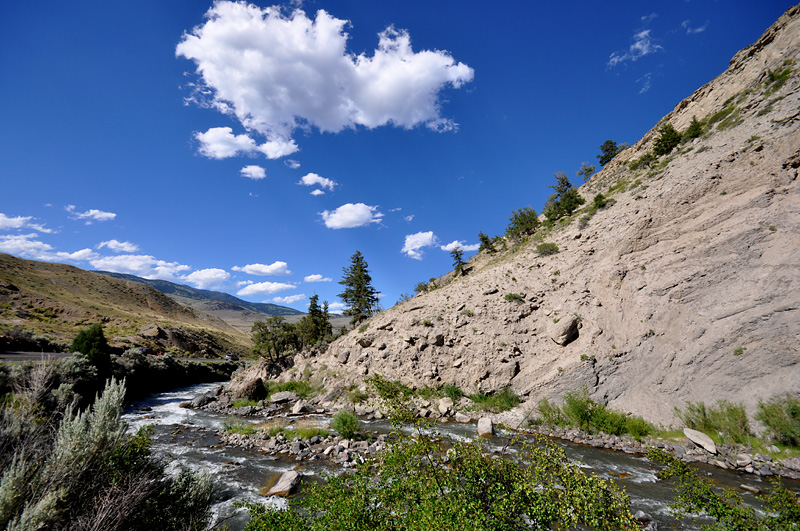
44,305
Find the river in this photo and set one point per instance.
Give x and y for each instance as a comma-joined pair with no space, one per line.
187,437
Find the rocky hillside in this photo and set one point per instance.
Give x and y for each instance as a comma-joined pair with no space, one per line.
43,305
685,288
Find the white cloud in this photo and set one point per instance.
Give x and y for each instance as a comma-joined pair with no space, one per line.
118,246
312,179
289,299
317,278
253,172
28,246
276,73
416,242
21,222
646,81
221,143
642,45
264,288
291,163
351,215
208,278
460,244
647,19
243,283
687,25
275,268
90,215
336,308
409,218
317,192
144,266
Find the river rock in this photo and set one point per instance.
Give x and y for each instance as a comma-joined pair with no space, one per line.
462,418
283,397
701,439
252,390
285,484
202,400
300,406
445,405
485,427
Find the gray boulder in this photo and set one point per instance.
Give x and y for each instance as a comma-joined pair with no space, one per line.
485,427
283,397
701,439
285,484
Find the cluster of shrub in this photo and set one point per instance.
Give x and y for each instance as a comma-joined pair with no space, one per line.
68,461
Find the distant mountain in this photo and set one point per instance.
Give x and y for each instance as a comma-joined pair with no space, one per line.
233,310
43,305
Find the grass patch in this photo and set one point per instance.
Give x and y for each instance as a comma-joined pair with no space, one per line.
514,297
547,249
781,416
303,388
727,422
502,400
239,426
244,402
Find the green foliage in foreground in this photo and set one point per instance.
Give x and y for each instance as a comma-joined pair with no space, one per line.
580,411
419,485
82,470
698,495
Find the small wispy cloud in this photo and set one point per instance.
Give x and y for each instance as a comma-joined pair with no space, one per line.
642,45
118,246
275,268
646,81
414,243
253,172
690,30
460,245
90,215
289,299
317,278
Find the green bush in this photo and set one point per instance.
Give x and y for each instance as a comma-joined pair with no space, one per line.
514,297
345,423
550,414
547,249
419,484
303,388
239,426
781,416
244,402
91,342
600,201
694,130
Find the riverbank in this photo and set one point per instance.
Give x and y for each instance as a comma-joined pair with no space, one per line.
289,408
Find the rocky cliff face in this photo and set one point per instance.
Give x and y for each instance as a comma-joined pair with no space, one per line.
687,288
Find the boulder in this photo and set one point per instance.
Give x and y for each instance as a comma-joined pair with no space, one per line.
301,406
343,356
462,418
283,397
251,389
565,330
485,427
701,439
445,405
202,400
285,484
364,342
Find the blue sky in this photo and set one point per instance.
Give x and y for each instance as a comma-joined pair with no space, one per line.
252,149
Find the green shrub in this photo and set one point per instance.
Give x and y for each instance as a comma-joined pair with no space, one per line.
356,396
638,427
244,402
420,484
600,201
345,423
91,342
694,130
303,388
514,297
550,414
547,249
781,416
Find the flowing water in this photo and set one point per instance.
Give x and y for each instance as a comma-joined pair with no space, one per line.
188,438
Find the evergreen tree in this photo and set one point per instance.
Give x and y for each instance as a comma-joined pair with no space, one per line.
458,260
359,296
608,150
91,342
667,141
523,222
586,171
486,243
694,130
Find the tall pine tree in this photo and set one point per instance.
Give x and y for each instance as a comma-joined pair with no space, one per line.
359,296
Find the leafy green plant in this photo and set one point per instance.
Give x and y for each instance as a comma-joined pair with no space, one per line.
468,312
453,392
547,249
523,222
244,402
514,297
781,416
694,130
345,423
738,351
303,388
696,495
600,201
